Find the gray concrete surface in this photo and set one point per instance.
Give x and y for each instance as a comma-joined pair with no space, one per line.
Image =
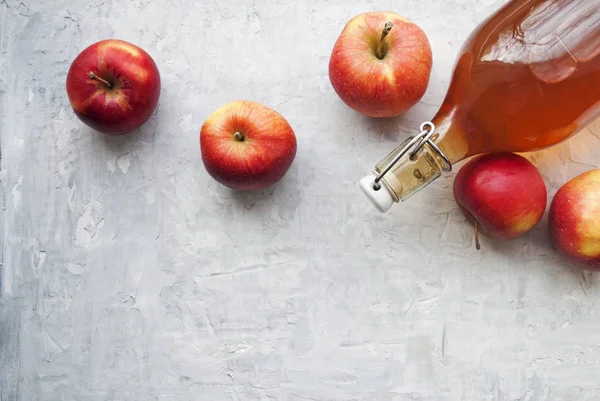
129,274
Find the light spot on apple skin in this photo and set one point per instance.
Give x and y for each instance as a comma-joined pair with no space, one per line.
116,96
141,74
395,16
588,228
81,108
122,46
525,222
389,75
122,101
590,247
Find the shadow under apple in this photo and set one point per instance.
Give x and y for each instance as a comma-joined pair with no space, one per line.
262,200
248,199
119,144
538,240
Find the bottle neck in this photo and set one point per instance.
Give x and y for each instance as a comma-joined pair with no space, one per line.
410,175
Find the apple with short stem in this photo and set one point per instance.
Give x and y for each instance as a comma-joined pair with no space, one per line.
246,145
381,63
113,86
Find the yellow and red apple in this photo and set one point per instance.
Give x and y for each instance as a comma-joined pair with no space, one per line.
246,145
381,63
574,220
502,194
113,86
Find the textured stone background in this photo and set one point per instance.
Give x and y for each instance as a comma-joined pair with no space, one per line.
128,274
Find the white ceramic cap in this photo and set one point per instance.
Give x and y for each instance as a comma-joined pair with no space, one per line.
382,198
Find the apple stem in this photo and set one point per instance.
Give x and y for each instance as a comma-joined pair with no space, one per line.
477,243
386,29
239,136
97,78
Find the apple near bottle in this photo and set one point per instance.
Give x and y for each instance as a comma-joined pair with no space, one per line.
574,220
380,64
113,86
502,194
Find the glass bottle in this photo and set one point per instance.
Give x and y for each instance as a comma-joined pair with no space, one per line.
526,78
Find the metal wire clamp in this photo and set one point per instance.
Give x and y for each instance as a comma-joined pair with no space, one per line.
424,137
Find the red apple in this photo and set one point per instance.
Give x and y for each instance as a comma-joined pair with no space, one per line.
113,86
502,194
246,145
380,64
574,220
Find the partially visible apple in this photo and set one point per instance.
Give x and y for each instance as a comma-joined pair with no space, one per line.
502,194
113,86
246,145
574,220
381,64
